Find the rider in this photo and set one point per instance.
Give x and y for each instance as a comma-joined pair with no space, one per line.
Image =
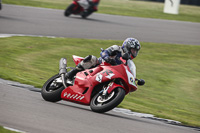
110,55
92,8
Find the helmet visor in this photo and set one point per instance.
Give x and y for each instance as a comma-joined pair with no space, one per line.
134,52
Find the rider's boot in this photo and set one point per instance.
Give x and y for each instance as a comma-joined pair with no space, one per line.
73,72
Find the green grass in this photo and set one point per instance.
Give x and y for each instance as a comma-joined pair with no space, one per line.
135,8
172,72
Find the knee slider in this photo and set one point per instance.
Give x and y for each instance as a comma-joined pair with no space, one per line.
87,58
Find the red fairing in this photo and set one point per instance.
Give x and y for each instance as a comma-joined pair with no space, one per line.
77,59
95,1
86,81
77,9
113,86
75,2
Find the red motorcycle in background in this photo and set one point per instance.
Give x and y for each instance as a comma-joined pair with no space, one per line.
0,5
102,88
82,7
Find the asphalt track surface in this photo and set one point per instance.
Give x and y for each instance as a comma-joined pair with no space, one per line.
50,22
25,110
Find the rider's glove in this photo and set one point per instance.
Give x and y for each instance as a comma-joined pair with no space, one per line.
110,61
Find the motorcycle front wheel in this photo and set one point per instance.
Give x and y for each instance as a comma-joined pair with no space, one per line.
51,90
69,10
102,104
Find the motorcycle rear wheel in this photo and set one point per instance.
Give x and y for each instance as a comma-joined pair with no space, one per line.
109,104
52,91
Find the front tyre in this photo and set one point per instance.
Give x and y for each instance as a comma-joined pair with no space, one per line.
102,104
69,10
51,90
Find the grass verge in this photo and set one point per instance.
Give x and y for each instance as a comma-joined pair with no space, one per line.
134,8
172,72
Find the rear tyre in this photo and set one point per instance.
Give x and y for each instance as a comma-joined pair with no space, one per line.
111,101
69,10
51,91
84,15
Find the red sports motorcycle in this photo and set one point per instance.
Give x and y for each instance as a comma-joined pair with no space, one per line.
82,7
103,87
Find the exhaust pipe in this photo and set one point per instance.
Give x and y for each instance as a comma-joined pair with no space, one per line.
62,66
62,70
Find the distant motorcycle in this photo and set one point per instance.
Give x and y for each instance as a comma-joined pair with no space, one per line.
0,5
82,7
102,88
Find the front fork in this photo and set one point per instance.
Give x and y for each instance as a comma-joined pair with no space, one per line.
107,92
105,88
110,87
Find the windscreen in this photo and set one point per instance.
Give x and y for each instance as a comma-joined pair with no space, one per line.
132,67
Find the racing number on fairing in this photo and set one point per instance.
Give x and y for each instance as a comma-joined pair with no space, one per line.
100,76
107,72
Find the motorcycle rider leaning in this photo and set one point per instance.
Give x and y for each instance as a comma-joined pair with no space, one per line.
92,8
111,55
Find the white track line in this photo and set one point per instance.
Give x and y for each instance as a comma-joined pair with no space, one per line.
12,129
10,35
